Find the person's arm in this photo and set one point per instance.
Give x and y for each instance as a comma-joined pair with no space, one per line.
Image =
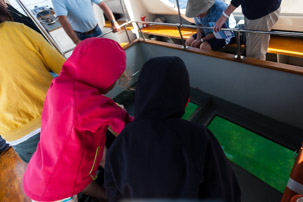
110,16
52,59
209,36
219,180
68,29
62,12
197,41
228,11
113,194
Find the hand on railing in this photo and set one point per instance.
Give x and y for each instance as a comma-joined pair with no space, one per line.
115,26
219,23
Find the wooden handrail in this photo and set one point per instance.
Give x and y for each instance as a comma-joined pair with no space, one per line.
226,56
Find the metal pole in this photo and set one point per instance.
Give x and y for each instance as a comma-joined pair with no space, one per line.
179,13
122,6
48,37
140,31
180,25
125,29
184,45
238,55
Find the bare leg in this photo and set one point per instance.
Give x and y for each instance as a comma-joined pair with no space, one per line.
95,190
102,163
205,46
189,41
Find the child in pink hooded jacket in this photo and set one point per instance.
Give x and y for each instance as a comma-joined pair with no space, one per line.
75,118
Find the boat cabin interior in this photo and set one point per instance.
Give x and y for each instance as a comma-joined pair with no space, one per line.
253,107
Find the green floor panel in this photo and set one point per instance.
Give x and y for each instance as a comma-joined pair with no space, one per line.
190,109
263,158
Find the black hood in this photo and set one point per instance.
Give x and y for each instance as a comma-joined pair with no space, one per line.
169,92
160,155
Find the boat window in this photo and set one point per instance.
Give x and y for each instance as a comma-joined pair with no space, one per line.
263,158
189,110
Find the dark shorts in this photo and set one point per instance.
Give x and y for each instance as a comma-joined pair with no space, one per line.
214,43
26,149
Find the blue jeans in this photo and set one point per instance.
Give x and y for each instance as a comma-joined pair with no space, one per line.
26,149
3,145
83,36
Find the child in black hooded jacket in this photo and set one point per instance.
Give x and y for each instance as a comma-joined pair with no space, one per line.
160,155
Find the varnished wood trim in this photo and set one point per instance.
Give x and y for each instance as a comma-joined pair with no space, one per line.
226,56
131,44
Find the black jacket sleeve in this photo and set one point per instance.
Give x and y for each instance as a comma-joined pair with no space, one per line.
235,3
112,191
218,176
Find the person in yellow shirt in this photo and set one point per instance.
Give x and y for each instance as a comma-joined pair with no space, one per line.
25,62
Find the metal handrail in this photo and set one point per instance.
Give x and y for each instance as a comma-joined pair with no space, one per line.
280,33
236,30
179,25
106,33
45,33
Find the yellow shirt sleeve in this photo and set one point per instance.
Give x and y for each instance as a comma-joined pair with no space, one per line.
52,58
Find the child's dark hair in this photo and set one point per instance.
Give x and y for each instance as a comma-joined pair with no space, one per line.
4,14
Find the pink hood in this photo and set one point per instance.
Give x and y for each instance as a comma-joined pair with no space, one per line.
75,118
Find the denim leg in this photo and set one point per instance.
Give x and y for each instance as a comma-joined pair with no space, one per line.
96,33
3,145
26,149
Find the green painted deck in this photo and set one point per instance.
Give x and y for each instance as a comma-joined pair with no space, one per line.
263,158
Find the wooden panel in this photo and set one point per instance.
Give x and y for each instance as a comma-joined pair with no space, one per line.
167,31
11,172
128,27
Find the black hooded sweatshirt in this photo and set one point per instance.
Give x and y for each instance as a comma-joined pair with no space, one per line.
160,155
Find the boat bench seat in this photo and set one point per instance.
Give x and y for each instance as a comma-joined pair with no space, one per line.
128,27
278,44
286,46
171,32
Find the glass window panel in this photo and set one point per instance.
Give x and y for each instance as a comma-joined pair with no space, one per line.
189,110
263,158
